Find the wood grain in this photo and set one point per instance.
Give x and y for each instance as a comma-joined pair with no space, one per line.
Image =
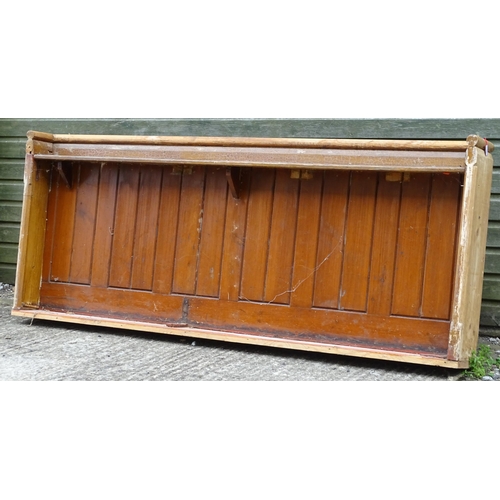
358,242
306,243
385,233
234,241
260,204
87,181
282,239
146,228
120,268
64,229
104,225
212,233
331,241
167,232
189,232
441,241
411,247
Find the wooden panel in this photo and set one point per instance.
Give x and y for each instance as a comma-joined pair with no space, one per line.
10,212
282,239
9,233
331,239
492,262
12,170
189,231
146,228
8,253
85,216
11,190
167,231
306,244
385,233
262,127
126,303
495,185
31,241
410,256
7,273
64,220
50,225
257,235
358,242
13,147
490,314
441,240
494,214
212,233
468,282
104,225
491,287
234,241
351,328
124,227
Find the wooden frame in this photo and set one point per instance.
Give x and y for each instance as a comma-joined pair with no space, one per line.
371,248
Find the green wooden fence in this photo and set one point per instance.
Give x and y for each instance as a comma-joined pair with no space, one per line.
13,139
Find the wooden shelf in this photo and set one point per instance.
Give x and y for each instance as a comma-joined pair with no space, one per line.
368,248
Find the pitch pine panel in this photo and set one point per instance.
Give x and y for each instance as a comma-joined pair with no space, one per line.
441,241
411,247
85,216
385,233
62,243
189,231
306,244
358,242
167,232
212,233
124,227
104,225
282,238
331,242
146,228
260,205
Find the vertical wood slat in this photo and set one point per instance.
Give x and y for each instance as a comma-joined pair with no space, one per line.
146,228
104,225
212,233
331,239
124,227
256,250
189,231
411,246
306,244
358,242
281,239
49,229
167,232
441,241
86,185
64,230
470,257
31,241
385,232
234,241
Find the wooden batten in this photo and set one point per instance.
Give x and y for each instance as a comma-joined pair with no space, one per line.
471,255
305,159
370,248
32,236
374,144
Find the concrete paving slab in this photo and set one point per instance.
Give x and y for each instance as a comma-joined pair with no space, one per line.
42,350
